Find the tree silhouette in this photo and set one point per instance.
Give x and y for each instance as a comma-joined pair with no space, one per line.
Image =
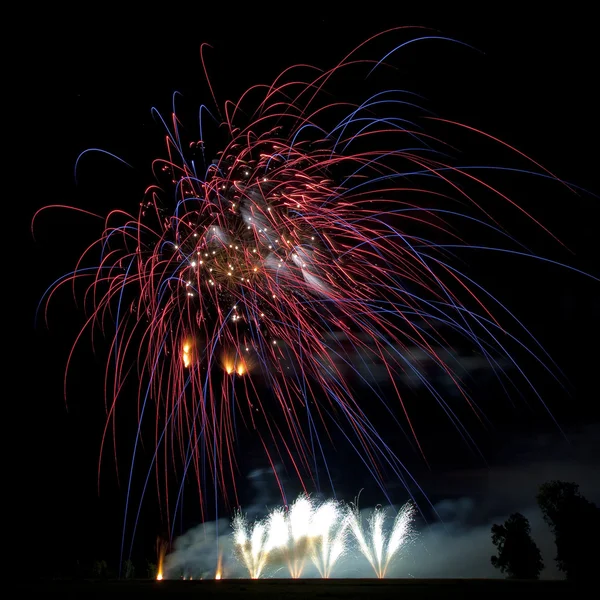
100,569
151,569
518,555
575,523
129,569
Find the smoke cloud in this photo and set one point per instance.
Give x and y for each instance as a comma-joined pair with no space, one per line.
457,545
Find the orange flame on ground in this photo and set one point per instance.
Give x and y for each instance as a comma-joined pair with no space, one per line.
161,551
219,572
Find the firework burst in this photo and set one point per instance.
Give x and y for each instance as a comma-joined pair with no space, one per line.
259,284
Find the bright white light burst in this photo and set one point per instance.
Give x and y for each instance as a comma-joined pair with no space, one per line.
378,550
319,532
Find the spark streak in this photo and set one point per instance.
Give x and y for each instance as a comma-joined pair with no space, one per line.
309,260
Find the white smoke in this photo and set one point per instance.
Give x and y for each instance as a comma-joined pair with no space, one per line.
457,545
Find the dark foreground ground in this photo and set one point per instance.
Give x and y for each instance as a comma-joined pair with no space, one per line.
287,589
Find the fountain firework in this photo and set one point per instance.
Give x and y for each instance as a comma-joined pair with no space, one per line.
250,544
283,537
309,530
161,551
319,532
329,529
378,550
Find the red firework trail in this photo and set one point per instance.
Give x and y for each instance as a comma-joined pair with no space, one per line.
261,284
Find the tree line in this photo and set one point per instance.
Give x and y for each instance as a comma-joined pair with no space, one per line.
575,524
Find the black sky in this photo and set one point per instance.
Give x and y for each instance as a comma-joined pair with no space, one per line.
91,81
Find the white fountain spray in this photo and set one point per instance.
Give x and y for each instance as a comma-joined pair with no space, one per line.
251,544
299,518
319,532
328,530
378,550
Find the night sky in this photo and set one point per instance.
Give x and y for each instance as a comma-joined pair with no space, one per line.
92,81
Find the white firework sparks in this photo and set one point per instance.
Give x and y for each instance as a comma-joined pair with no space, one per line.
319,532
378,549
251,544
304,530
328,534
